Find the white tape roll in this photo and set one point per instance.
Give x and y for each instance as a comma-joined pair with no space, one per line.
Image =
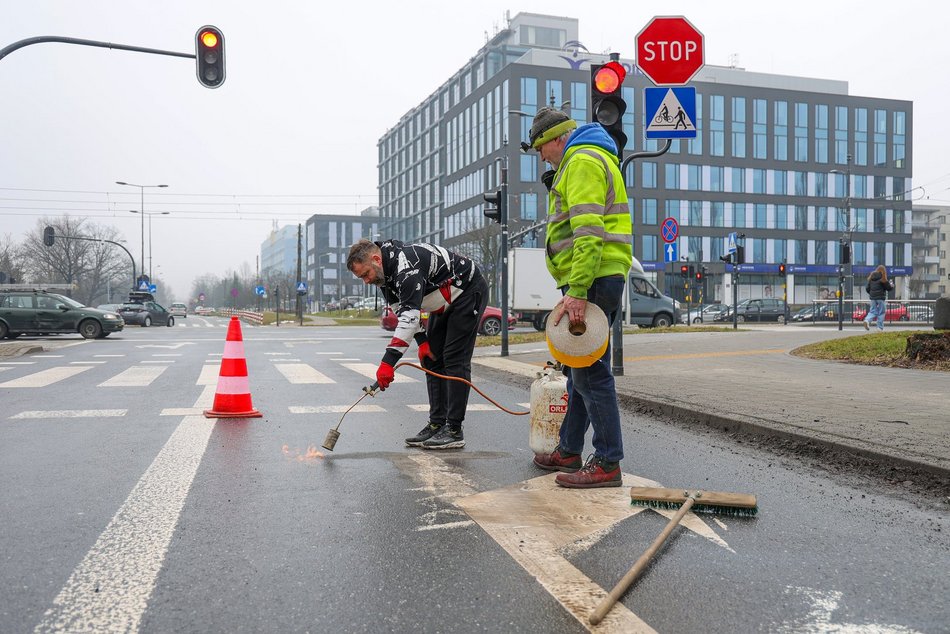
582,347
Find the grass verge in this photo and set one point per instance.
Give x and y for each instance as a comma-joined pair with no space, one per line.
883,349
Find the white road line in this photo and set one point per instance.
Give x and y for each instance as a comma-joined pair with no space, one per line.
108,355
328,353
136,376
209,375
205,401
48,356
345,359
299,373
110,588
334,409
165,361
17,362
284,360
369,370
178,354
73,413
43,378
86,362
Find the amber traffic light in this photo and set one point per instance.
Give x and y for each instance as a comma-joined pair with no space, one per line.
209,53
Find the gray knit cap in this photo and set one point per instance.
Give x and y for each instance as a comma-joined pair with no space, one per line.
548,125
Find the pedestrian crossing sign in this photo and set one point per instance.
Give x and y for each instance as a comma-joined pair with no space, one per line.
671,112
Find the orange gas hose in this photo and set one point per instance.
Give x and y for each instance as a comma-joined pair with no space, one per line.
469,383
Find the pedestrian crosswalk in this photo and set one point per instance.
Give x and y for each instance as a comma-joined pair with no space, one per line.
323,370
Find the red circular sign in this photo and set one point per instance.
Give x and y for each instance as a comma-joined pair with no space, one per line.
670,50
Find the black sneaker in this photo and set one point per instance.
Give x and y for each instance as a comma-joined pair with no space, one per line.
427,432
446,438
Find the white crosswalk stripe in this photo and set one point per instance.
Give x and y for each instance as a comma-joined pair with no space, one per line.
334,409
302,373
136,376
45,378
369,370
72,413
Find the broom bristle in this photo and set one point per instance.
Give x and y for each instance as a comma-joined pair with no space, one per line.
731,511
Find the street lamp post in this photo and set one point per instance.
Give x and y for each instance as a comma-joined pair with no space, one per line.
150,214
142,202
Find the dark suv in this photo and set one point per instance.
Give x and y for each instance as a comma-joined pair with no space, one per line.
39,312
756,310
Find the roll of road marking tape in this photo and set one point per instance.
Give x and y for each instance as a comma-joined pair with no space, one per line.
579,346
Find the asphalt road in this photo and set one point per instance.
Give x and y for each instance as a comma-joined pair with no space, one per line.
125,509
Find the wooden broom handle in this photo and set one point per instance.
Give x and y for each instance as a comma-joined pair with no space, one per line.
608,602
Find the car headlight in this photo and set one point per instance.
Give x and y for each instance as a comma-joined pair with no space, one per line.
111,316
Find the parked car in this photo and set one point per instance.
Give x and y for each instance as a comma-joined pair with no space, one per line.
370,303
817,312
489,325
143,310
39,312
178,310
756,310
893,312
702,315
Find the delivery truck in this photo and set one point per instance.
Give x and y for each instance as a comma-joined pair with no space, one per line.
531,292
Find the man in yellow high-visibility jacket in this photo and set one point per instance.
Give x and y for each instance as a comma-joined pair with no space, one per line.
589,252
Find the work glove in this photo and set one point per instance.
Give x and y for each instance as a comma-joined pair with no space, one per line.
384,375
548,178
425,353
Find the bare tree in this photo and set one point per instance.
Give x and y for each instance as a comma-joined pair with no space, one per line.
10,260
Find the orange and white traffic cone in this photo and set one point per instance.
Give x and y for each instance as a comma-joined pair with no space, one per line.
232,399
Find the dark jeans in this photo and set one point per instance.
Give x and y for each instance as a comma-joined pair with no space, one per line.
591,393
451,338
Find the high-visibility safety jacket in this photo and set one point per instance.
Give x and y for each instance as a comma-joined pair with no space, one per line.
589,233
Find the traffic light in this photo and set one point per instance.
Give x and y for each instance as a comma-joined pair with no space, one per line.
493,205
209,51
740,254
781,269
49,236
699,276
606,101
684,271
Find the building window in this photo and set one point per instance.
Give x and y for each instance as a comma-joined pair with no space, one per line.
841,135
717,116
579,102
696,213
801,217
801,132
649,175
801,183
801,252
781,216
672,175
780,182
529,167
529,206
758,181
761,217
695,249
738,215
821,252
649,248
738,127
880,138
780,131
821,184
738,180
649,211
758,250
716,179
694,177
860,136
552,90
898,139
821,219
718,217
821,133
759,129
780,250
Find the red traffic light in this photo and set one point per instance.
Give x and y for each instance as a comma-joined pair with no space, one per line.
609,77
781,269
684,270
699,276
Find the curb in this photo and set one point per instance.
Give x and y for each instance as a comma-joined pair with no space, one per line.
689,416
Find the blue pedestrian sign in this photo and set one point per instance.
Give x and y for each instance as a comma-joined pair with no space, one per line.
671,252
143,285
670,113
731,242
301,287
259,290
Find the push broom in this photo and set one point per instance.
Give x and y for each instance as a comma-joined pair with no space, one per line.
736,504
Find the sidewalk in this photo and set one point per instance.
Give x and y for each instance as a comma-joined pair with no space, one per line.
748,381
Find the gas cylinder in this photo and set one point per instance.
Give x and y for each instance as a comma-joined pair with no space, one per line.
548,407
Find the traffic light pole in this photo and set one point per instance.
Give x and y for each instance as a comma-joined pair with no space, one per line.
110,242
503,218
72,40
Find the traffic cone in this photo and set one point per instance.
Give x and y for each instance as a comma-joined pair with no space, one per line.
232,398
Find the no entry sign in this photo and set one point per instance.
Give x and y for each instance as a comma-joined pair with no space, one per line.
670,50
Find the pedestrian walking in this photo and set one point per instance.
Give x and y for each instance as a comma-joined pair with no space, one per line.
450,287
877,287
588,252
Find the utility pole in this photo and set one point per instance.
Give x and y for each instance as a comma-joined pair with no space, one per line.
503,218
298,306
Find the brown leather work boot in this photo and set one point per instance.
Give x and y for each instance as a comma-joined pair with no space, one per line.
558,460
596,473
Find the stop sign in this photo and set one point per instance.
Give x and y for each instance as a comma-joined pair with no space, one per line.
670,50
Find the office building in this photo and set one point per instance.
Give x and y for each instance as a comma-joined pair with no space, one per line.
328,241
798,165
931,228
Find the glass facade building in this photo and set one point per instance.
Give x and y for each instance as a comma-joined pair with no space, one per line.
795,164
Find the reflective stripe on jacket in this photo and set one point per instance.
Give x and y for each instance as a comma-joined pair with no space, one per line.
589,234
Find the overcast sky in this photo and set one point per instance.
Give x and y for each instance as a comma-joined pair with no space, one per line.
311,86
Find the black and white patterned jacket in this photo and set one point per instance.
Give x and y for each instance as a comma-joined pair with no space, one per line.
420,277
